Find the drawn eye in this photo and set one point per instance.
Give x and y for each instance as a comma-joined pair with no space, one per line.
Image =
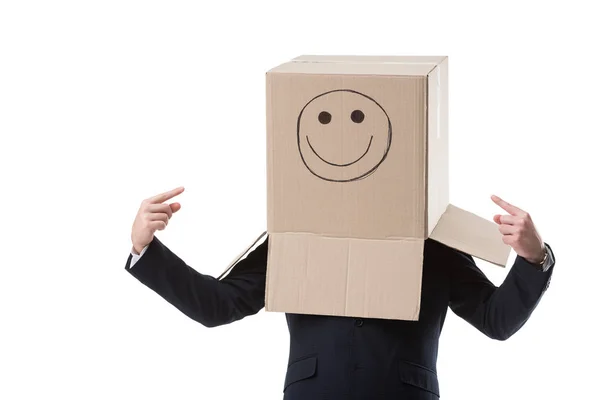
324,117
357,116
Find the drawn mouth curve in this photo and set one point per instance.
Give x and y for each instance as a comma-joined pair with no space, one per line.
340,165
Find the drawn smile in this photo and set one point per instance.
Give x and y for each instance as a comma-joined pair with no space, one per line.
340,165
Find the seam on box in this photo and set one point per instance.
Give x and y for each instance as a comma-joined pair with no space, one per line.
327,236
347,279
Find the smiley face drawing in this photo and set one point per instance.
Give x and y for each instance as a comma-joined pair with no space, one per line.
343,135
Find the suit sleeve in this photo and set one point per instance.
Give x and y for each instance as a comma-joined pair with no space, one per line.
203,298
498,312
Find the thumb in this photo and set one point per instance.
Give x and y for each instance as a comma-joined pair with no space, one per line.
175,207
497,219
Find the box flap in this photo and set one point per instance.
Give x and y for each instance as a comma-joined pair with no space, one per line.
311,274
361,65
471,234
383,69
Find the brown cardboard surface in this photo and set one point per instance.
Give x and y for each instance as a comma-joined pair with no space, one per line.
357,169
338,276
477,236
310,195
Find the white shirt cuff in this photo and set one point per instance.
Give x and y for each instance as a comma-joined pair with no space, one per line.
135,257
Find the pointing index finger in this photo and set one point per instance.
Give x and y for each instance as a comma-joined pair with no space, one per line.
506,206
159,198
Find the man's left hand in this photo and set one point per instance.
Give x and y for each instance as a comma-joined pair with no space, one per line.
518,231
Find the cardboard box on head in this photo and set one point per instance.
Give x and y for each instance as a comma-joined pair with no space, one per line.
357,161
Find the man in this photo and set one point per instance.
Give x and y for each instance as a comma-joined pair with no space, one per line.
347,358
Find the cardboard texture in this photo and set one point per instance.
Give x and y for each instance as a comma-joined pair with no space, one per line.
357,161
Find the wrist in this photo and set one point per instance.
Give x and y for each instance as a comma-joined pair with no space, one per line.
137,249
540,258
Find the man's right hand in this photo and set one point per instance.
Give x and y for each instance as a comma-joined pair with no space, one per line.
153,215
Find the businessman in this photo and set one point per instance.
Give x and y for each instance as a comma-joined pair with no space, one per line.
351,358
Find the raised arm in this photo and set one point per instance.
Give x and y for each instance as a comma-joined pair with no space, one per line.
203,298
210,301
501,311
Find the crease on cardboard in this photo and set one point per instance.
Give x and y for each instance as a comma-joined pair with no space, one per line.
436,66
271,154
426,158
439,100
346,299
299,292
330,236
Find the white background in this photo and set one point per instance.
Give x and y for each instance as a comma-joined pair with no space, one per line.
105,103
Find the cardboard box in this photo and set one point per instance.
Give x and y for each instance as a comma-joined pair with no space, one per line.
357,166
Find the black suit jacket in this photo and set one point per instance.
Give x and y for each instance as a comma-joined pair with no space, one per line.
350,358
